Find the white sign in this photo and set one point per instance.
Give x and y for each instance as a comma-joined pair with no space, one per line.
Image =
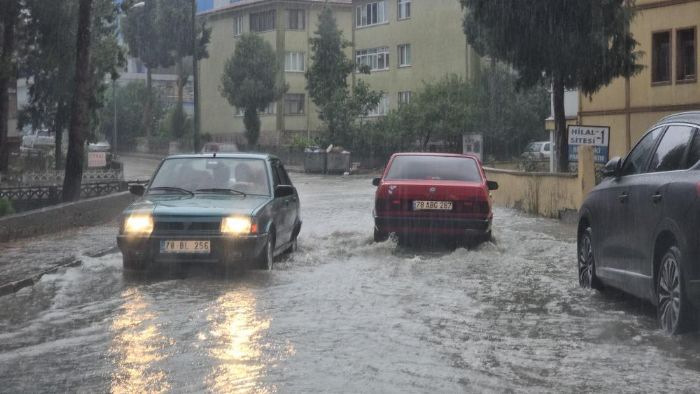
589,135
596,136
97,159
473,144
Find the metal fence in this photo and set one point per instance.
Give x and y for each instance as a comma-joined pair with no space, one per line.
31,197
44,178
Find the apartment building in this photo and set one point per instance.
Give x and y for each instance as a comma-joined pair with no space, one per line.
405,43
667,31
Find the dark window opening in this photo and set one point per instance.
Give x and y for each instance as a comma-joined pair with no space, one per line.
686,55
661,57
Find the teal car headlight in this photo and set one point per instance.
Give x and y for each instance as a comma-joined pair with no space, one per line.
238,225
138,224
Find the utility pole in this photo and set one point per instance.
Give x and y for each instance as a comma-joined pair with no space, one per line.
195,82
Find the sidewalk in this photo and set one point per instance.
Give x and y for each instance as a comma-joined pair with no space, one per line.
27,259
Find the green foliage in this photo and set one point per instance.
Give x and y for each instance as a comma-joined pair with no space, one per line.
442,111
6,207
299,142
130,100
326,81
49,58
143,36
250,81
330,65
585,43
573,44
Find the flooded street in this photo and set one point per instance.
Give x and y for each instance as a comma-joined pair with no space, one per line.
344,314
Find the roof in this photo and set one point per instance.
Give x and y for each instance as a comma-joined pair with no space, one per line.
262,156
687,117
243,3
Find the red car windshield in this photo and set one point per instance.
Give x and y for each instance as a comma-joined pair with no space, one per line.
442,168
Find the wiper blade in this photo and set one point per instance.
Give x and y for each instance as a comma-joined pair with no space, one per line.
220,190
172,189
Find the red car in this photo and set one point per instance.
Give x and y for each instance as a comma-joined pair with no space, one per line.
433,194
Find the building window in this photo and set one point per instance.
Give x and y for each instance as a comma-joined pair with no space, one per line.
294,61
294,104
404,98
271,109
404,55
296,19
686,53
262,21
370,14
404,9
382,108
237,25
375,58
661,57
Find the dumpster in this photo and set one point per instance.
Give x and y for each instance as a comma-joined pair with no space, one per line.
338,161
314,160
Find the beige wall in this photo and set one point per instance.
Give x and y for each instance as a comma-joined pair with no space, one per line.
544,194
629,113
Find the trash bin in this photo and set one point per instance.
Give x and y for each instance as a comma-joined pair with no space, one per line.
314,160
338,162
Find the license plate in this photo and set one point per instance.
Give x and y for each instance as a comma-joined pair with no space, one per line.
432,205
177,246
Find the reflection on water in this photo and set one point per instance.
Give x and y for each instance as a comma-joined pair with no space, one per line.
236,335
135,347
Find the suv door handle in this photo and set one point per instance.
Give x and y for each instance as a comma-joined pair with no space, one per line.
623,197
656,198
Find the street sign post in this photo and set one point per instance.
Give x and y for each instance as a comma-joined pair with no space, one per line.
596,136
473,144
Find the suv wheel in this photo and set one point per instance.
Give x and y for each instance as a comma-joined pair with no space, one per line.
586,261
673,307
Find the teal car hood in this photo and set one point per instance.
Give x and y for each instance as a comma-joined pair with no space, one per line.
199,205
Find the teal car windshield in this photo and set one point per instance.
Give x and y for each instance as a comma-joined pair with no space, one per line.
248,176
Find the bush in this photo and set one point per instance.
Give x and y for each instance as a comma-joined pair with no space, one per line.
6,207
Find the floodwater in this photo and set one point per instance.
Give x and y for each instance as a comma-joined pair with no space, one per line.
346,315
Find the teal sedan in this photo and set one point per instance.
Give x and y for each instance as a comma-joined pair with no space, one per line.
227,209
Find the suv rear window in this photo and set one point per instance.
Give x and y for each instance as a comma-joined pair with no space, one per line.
443,168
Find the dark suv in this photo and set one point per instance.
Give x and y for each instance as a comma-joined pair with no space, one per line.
639,230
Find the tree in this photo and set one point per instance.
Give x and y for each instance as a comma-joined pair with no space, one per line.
509,118
147,43
129,98
49,57
573,44
250,81
9,18
326,81
79,121
446,109
175,23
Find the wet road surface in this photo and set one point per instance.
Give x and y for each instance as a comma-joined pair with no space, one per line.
346,315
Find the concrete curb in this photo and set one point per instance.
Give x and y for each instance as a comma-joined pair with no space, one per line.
87,212
15,286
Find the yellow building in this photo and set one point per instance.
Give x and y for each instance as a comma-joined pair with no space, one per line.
405,42
408,43
287,25
667,32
